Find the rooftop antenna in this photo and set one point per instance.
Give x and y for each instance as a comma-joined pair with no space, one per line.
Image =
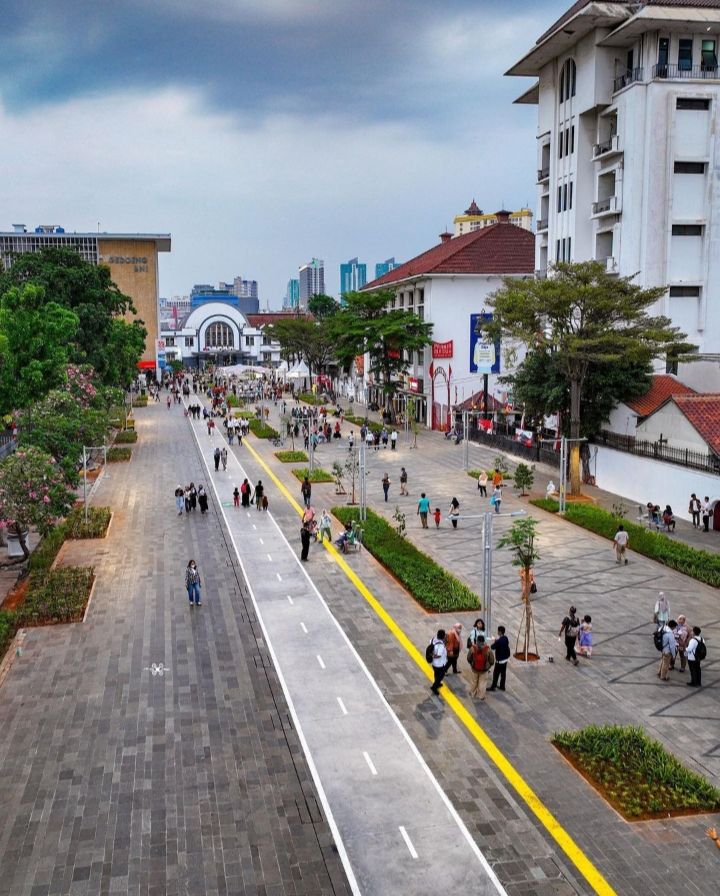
98,227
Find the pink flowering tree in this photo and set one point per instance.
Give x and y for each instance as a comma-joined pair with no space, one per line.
33,492
79,383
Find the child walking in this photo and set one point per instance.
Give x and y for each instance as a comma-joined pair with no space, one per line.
236,497
437,517
585,637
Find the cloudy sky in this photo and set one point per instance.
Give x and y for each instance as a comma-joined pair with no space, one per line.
261,133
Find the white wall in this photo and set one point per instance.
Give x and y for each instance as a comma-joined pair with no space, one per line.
670,423
641,479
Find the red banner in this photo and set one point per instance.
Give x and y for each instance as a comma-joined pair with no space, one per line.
442,349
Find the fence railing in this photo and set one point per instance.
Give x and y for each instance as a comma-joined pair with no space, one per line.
536,452
684,457
8,444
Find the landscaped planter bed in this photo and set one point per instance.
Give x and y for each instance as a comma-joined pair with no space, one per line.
291,457
317,475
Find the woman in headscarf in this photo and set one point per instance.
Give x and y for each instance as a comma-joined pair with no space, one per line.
662,609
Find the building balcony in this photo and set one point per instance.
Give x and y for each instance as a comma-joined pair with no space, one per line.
611,205
543,174
693,72
542,224
629,77
609,147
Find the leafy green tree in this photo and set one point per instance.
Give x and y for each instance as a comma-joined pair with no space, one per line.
33,492
89,292
300,337
37,336
321,306
520,538
586,317
523,478
125,345
367,324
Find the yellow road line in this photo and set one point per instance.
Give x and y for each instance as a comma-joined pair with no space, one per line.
571,849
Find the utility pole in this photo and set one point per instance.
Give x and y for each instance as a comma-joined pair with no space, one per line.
486,579
466,437
363,483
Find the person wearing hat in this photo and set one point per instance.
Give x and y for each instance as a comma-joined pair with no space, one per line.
570,627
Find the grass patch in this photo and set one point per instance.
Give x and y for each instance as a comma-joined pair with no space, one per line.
317,475
475,474
116,455
8,627
96,526
291,457
700,565
126,437
636,773
43,557
245,415
59,595
262,430
140,401
431,585
309,398
359,421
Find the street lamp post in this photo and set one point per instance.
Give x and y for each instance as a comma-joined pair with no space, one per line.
563,471
362,473
466,438
486,580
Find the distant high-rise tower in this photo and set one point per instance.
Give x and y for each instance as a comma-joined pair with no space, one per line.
312,280
292,294
382,267
353,276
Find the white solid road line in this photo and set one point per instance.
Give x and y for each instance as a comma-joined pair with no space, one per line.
261,541
320,660
279,577
269,558
369,761
342,706
290,599
303,627
408,842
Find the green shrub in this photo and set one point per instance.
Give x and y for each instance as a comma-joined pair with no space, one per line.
635,772
115,455
96,526
245,415
59,595
432,586
700,565
262,430
315,400
291,457
358,421
126,437
8,627
43,557
140,401
317,475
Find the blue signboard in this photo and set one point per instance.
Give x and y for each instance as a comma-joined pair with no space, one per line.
484,354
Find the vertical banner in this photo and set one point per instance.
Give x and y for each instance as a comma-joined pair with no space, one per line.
484,354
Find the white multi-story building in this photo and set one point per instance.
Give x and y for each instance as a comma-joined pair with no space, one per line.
628,154
312,280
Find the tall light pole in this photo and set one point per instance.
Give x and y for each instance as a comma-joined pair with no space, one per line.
486,580
563,471
363,482
466,437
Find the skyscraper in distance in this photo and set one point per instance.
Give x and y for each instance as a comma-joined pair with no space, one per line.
292,294
353,276
312,280
382,267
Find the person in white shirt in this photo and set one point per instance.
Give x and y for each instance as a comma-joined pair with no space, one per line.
706,514
393,439
620,543
693,658
439,662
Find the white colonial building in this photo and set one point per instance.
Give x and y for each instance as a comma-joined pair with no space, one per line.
449,286
628,154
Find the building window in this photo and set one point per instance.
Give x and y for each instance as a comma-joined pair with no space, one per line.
219,335
708,56
567,80
570,192
559,201
685,47
687,230
671,366
689,168
190,341
557,250
249,341
692,103
565,192
663,54
569,248
684,292
170,341
572,139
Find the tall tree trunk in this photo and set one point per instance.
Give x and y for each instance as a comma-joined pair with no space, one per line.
575,434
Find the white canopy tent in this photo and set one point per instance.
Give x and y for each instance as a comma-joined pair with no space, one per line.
299,371
240,369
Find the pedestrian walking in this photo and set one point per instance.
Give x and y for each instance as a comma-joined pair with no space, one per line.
585,637
669,649
259,494
696,653
305,541
384,437
437,516
168,402
481,660
706,513
620,543
216,458
570,628
403,481
210,426
202,499
496,498
236,496
245,493
439,660
482,483
393,439
694,509
179,499
454,512
497,478
186,496
501,648
662,609
223,458
192,583
351,440
306,491
324,526
682,637
423,509
453,643
386,485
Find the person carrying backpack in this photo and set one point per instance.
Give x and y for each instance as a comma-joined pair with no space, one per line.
436,654
481,660
696,653
570,627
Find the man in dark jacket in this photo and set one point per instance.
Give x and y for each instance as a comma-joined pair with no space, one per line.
305,541
501,647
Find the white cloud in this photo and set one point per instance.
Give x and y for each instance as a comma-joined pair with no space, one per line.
252,197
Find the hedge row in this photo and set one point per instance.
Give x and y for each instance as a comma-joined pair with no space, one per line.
309,398
431,585
317,475
359,421
126,437
291,457
96,526
115,455
262,430
700,565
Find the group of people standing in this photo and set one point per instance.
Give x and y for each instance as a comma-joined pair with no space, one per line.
445,648
190,498
677,641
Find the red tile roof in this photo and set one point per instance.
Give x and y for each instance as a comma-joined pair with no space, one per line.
702,412
475,402
500,248
272,317
664,386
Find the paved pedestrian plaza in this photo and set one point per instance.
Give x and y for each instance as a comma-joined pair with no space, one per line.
282,738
